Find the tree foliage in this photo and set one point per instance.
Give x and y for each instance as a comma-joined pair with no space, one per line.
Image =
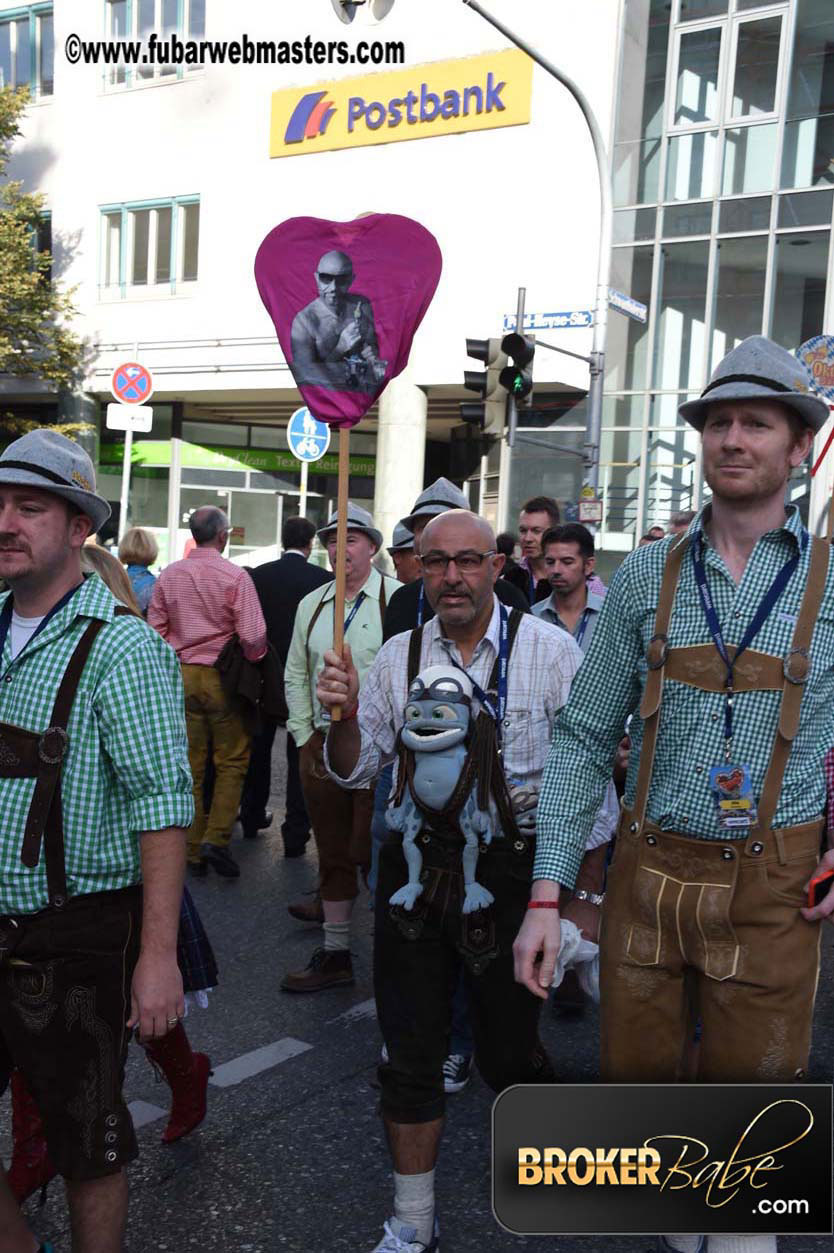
35,337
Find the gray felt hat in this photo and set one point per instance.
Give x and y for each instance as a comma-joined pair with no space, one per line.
358,519
439,497
402,539
50,461
758,369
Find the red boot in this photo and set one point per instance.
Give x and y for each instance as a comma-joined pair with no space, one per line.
30,1167
188,1075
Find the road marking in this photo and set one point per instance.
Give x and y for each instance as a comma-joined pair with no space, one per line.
365,1009
142,1112
249,1064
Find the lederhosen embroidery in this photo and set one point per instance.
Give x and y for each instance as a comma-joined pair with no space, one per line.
40,756
482,768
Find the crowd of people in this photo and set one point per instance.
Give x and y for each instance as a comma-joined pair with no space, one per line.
505,753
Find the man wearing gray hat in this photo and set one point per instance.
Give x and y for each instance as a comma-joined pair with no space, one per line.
409,608
402,553
723,640
341,820
95,794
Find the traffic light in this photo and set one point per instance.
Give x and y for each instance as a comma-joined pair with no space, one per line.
517,378
490,413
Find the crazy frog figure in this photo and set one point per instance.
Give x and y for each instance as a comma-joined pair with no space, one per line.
435,728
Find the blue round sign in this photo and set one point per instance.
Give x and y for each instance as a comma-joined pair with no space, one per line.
307,438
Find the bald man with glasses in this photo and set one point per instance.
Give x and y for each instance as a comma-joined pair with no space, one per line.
334,342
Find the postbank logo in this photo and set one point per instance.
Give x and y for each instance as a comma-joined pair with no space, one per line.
441,98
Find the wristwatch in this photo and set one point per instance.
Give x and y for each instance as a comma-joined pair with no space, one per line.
593,898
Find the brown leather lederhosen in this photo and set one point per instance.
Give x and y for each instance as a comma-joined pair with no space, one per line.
713,922
341,819
32,755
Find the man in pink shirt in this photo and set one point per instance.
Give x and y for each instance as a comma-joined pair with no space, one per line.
198,604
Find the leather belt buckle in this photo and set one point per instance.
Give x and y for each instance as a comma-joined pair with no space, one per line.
657,652
796,665
53,745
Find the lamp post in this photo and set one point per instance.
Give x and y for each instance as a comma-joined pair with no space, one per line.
597,356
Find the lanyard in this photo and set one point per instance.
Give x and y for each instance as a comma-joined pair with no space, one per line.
6,617
420,599
759,618
532,587
353,611
496,712
583,626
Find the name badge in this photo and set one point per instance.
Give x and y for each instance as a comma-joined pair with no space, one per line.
732,791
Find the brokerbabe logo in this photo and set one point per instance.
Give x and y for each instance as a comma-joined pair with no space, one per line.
442,98
310,117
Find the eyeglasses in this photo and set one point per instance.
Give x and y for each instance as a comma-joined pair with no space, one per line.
341,280
467,562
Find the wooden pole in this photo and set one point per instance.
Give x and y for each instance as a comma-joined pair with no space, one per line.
341,546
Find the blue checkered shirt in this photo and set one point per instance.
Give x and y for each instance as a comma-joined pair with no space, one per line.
610,683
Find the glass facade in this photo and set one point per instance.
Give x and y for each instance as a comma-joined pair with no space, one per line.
723,160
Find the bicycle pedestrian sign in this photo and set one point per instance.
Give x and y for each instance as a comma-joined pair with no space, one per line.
131,383
307,438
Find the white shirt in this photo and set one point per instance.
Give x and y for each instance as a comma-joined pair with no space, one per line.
541,667
21,631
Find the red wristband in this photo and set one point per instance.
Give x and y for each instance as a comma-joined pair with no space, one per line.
543,905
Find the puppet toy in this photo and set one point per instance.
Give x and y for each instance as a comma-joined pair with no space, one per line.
435,730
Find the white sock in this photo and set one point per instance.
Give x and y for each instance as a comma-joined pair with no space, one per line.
414,1203
337,936
683,1244
742,1244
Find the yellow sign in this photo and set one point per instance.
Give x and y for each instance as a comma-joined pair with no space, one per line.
441,98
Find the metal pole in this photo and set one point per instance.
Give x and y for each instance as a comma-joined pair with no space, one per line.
512,407
125,482
302,494
594,422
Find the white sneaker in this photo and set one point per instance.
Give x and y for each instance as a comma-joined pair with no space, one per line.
400,1238
456,1072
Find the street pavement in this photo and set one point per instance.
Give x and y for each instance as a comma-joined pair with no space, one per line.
291,1155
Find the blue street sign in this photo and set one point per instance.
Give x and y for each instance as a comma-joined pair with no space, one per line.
551,321
307,438
628,305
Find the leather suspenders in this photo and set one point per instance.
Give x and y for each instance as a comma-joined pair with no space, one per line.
686,663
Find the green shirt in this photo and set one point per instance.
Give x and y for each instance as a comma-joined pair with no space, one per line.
126,769
306,661
690,741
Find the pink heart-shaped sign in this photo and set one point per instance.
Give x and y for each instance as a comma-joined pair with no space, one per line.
346,299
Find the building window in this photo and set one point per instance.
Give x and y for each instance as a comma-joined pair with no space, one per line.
149,249
809,127
27,50
138,19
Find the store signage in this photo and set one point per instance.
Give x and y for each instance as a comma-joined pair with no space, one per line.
157,452
550,321
440,98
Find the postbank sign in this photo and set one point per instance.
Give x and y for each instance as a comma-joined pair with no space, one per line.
440,98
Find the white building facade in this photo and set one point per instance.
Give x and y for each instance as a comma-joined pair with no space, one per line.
160,185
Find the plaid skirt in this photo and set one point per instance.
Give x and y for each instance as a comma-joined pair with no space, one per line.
195,955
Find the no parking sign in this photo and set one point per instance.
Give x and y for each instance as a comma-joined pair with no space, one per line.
131,383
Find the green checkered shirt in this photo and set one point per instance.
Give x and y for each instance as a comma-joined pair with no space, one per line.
126,768
690,741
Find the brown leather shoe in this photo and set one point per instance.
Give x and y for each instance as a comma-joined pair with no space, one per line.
309,910
329,968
